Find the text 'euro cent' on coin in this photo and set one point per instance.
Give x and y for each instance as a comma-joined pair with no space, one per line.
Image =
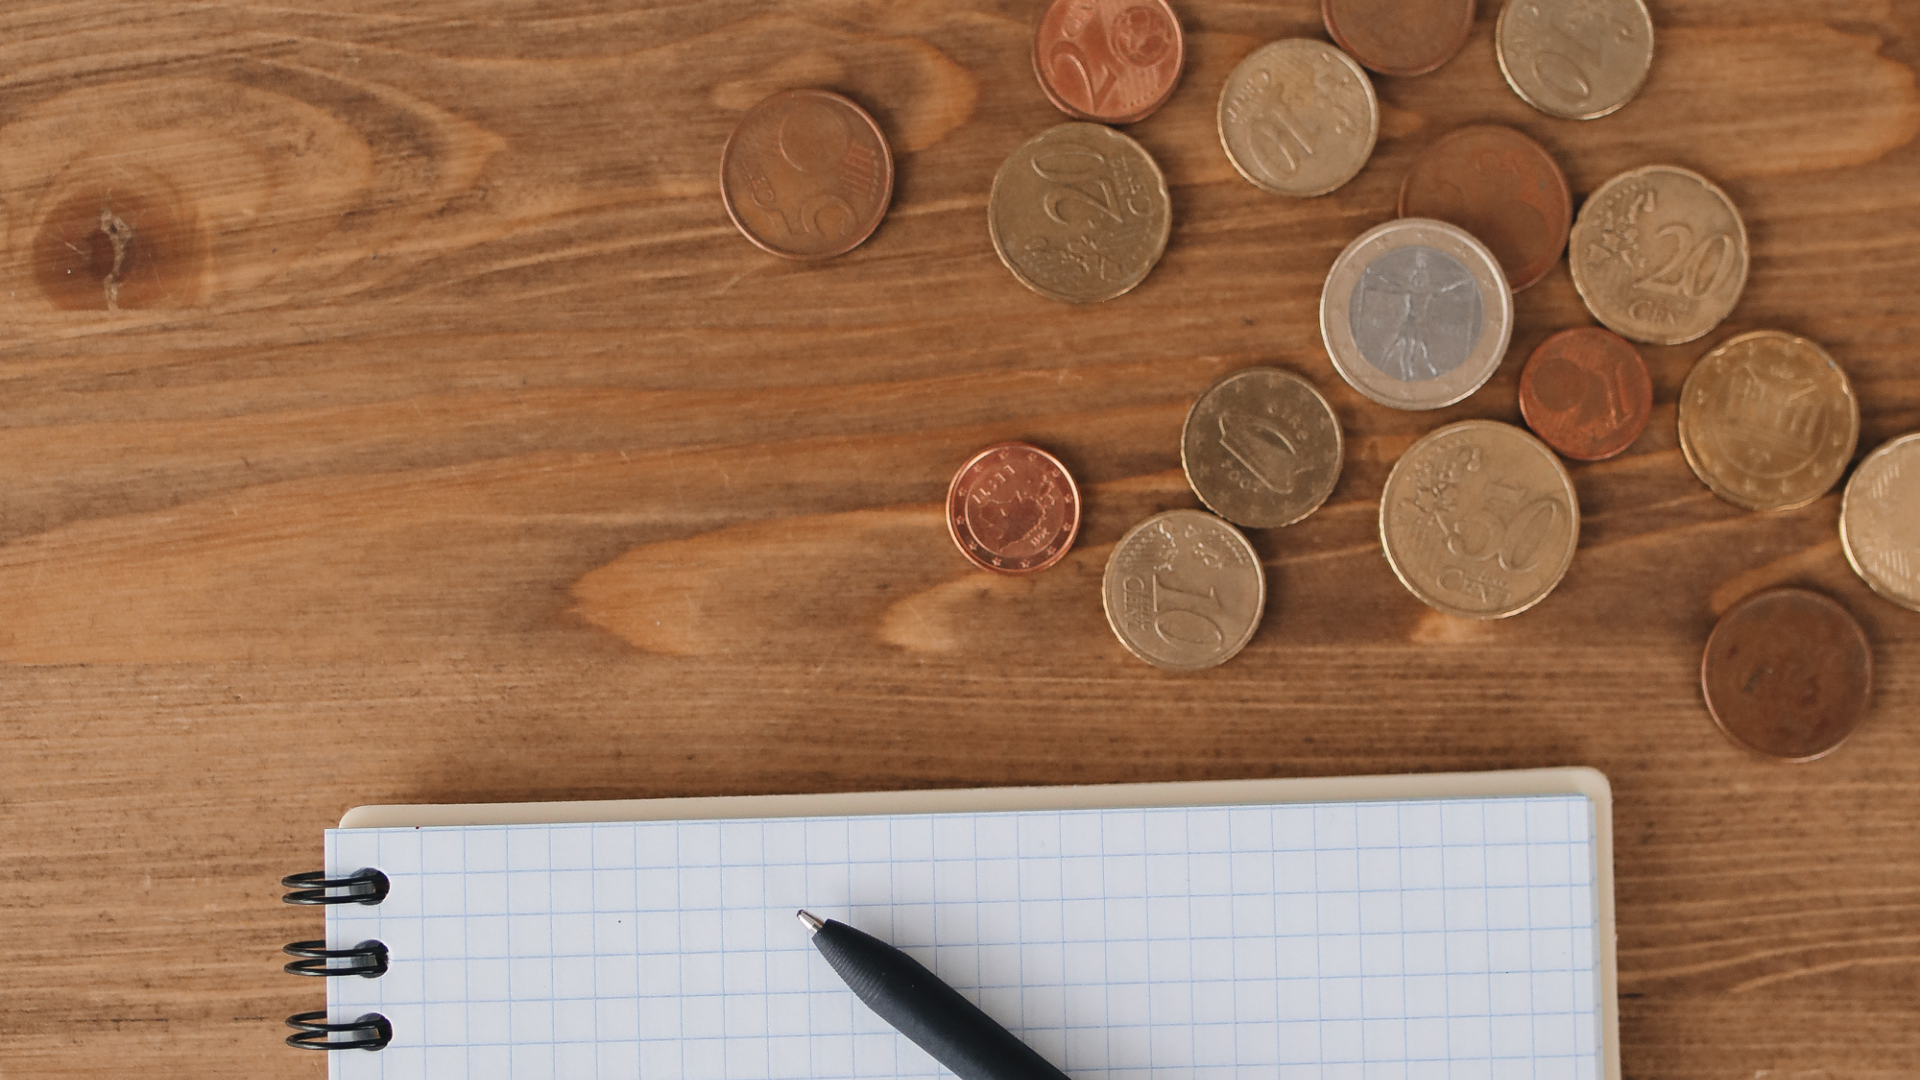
1079,213
1416,314
1575,59
1298,117
1788,673
807,174
1586,392
1184,590
1109,61
1502,187
1262,448
1399,37
1880,521
1659,254
1768,421
1013,509
1479,520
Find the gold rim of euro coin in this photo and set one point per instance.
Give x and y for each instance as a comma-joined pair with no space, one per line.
1184,590
1659,255
1575,60
1768,421
1262,448
1480,520
1080,213
1880,521
1298,117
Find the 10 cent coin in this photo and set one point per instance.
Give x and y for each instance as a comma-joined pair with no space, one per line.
1079,213
1262,448
1880,521
1013,509
1298,117
1502,187
1587,393
1575,59
806,174
1788,673
1110,61
1659,254
1184,590
1768,421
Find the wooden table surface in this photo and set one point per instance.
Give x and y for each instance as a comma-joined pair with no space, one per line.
444,442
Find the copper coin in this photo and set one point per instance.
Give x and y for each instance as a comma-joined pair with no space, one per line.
807,174
1502,187
1399,37
1586,392
1110,61
1788,673
1013,508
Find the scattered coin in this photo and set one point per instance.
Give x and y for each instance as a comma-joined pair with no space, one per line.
1659,254
1079,213
1788,673
1111,61
1479,519
1013,508
1298,117
1416,314
1502,187
1262,448
1184,590
1587,393
1768,420
1575,59
806,174
1399,37
1880,521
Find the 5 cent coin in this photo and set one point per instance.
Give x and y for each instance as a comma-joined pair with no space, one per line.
1502,187
1575,59
1298,117
1587,393
1184,590
1880,521
1788,673
1079,213
806,174
1110,61
1262,448
1013,509
1768,421
1659,254
1399,37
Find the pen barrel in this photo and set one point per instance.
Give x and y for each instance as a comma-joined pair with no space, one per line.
934,1015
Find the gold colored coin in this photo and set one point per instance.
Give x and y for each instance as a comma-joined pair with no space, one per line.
1768,421
1298,117
1880,521
1479,519
1262,448
1184,590
1659,254
1575,59
1079,213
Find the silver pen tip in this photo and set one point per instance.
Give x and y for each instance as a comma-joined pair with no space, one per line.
814,922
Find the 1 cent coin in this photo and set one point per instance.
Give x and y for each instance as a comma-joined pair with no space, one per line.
1659,254
1768,421
1502,187
1184,590
1110,61
1013,509
1262,448
1575,59
1880,521
1788,673
1079,213
1298,117
1399,37
806,174
1587,393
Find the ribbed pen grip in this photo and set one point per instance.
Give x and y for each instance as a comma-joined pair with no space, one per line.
934,1015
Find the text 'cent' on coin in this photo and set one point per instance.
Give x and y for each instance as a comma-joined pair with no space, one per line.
1079,213
1575,59
1399,37
1659,254
1262,448
1298,117
807,174
1416,314
1479,519
1109,61
1768,421
1880,521
1184,590
1502,187
1586,392
1788,673
1013,509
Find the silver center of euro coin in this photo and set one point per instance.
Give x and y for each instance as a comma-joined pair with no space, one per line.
1416,314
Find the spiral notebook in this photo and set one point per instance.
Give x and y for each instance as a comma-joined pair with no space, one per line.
1424,926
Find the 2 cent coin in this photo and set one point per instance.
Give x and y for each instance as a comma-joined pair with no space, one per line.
1502,187
1587,393
1013,509
1109,61
1788,673
807,174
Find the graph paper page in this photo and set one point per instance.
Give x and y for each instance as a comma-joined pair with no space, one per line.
1415,939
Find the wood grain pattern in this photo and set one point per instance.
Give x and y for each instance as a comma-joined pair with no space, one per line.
437,438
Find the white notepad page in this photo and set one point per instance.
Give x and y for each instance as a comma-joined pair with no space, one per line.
1406,939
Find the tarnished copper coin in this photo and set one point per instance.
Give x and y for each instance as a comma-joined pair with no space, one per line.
1013,509
1110,61
1788,673
1502,187
1587,393
1399,37
807,174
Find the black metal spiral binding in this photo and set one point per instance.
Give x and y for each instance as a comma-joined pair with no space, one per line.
315,887
369,1032
367,959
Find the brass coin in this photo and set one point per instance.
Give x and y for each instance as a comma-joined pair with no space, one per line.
1788,673
1416,314
1880,521
1659,254
1079,213
1184,590
1262,448
1575,59
1298,117
1768,421
1479,519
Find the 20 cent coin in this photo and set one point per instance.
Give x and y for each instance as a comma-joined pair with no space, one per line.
1013,509
1659,254
1298,117
1262,448
1880,521
1788,673
1184,590
1079,213
1768,421
806,174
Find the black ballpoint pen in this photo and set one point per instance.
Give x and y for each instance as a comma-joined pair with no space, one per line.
905,994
